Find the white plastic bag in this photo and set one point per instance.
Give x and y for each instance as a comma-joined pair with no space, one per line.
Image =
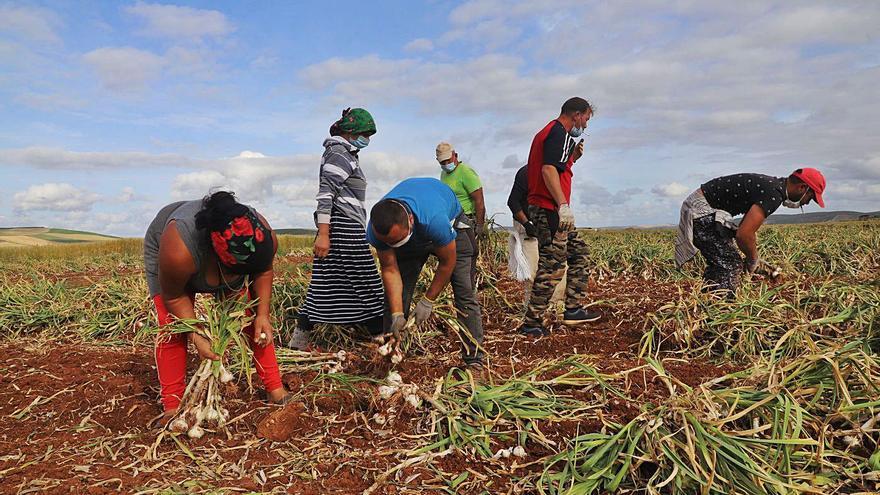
517,263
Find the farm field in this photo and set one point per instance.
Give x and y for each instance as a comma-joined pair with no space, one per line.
672,391
42,236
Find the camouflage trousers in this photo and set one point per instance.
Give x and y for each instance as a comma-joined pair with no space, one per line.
724,264
556,250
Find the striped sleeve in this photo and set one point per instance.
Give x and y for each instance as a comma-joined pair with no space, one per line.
335,169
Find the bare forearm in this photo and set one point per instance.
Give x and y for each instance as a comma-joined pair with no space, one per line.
479,206
393,290
520,217
551,180
748,244
441,277
262,287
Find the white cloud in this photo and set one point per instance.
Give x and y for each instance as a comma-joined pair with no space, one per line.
125,68
592,194
54,197
253,176
257,178
126,195
300,194
696,89
486,84
31,23
55,158
419,45
178,22
199,63
821,23
197,184
132,222
512,162
390,168
265,61
671,190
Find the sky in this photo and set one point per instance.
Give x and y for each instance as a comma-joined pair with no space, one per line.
110,110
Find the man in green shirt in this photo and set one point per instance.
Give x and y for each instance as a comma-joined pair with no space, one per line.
465,183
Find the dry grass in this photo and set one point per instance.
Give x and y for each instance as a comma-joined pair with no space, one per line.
773,393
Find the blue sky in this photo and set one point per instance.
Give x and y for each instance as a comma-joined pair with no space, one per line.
110,110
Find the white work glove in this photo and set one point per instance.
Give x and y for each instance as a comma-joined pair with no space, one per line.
566,217
423,310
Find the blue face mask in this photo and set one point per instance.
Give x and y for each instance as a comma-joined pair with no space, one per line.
448,167
576,132
360,142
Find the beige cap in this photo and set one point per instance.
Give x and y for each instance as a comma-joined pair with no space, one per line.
444,151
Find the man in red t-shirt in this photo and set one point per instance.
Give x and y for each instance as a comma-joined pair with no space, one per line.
552,155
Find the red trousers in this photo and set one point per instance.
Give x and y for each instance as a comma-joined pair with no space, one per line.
171,360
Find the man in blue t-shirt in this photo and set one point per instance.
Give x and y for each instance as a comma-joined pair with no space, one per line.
421,217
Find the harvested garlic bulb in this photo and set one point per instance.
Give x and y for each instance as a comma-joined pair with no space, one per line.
196,432
179,425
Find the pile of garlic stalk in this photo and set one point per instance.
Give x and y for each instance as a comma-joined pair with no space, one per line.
201,400
222,324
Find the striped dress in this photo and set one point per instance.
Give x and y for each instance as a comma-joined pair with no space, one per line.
346,287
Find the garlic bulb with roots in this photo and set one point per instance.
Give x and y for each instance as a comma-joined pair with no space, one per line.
200,413
195,432
225,375
386,391
414,400
519,451
179,425
394,378
397,357
212,414
505,453
385,349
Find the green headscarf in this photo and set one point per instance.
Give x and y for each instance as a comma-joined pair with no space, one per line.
354,121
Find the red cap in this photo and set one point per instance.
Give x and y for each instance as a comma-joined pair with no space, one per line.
815,180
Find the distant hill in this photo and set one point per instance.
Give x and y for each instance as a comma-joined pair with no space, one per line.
296,231
820,216
44,236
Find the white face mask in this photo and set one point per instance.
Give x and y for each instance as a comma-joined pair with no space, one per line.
403,241
407,237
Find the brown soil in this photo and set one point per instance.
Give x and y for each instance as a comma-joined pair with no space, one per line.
95,435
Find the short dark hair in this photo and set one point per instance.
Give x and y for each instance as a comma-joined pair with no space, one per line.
575,105
387,213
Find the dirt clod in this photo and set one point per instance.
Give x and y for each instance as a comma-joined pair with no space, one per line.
281,424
